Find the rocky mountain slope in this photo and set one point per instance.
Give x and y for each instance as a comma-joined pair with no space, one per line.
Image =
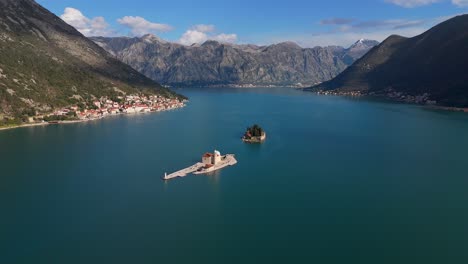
429,68
45,63
214,63
357,50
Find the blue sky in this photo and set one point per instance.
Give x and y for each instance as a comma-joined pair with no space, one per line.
309,23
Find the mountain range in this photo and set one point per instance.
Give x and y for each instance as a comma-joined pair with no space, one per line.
428,68
46,63
215,63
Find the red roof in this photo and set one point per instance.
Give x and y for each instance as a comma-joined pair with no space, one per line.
208,155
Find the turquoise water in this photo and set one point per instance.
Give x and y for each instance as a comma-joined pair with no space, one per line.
338,181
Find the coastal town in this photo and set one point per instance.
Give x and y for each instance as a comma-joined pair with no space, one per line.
105,107
389,93
340,93
131,104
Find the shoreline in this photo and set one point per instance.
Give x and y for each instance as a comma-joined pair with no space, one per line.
255,140
393,100
49,124
78,121
447,108
24,125
241,86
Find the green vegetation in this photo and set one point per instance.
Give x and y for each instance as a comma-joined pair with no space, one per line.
254,134
53,118
46,65
10,122
38,76
255,131
35,74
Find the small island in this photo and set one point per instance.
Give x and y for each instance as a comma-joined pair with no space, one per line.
254,134
210,162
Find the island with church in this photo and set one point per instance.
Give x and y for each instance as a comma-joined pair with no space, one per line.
254,134
210,162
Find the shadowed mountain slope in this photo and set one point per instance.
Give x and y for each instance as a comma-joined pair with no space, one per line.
434,63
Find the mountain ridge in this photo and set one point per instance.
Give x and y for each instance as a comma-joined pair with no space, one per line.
46,63
216,63
432,64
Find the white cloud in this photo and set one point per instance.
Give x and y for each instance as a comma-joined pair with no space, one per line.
412,3
460,3
201,33
227,38
140,26
192,36
87,26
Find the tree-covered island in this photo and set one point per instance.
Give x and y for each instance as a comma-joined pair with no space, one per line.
254,134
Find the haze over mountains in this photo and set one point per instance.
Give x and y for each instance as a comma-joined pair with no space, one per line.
46,63
215,63
431,67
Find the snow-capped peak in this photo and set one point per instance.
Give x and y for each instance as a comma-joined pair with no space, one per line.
364,43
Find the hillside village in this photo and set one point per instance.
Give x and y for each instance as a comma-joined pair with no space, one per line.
104,106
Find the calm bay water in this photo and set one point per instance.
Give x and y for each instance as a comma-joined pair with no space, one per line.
338,181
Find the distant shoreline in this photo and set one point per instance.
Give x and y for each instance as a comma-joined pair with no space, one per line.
65,122
247,86
394,100
49,123
447,108
24,125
